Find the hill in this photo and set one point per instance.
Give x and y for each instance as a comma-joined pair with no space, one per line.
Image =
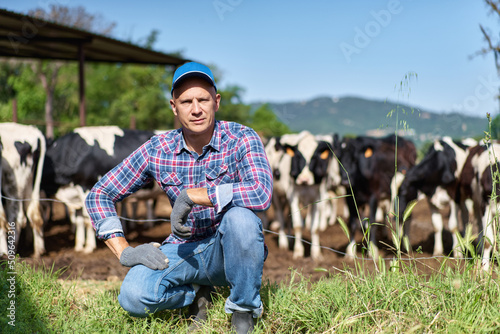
359,116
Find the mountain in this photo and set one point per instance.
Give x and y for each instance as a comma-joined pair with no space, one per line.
359,116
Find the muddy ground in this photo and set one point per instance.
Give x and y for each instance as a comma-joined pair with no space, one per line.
102,264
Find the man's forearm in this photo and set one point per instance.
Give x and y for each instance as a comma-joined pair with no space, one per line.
199,196
117,245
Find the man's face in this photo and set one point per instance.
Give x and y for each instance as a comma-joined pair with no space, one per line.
195,103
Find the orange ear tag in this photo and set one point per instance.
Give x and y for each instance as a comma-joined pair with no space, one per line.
324,155
290,152
368,152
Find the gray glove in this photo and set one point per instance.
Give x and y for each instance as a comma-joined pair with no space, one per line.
182,207
147,254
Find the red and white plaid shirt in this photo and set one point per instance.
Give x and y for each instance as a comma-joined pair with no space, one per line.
233,167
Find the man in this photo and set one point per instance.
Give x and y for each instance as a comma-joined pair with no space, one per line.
215,174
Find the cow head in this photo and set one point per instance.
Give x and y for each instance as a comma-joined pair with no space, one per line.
309,157
437,168
320,160
351,151
446,162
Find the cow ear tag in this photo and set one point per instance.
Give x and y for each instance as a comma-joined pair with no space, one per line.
368,152
289,151
324,155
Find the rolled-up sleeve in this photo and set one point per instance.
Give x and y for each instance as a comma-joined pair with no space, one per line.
254,190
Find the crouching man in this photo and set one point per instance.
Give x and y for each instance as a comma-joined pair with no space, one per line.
216,175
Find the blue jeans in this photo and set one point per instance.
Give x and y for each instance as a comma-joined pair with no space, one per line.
233,256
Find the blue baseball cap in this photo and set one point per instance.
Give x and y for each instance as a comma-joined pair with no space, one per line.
192,69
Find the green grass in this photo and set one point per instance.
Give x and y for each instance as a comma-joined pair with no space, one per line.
404,301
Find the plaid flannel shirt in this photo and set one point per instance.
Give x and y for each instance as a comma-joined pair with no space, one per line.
233,167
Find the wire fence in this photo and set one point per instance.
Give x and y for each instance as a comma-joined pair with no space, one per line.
265,230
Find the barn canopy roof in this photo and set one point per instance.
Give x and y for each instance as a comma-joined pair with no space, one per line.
23,36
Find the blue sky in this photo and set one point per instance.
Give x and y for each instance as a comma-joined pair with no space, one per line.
297,50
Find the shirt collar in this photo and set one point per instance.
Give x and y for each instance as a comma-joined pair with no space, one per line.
214,143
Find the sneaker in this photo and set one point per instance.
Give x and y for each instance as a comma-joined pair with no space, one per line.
242,322
201,303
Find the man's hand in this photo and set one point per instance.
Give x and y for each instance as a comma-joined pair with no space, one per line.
147,254
182,207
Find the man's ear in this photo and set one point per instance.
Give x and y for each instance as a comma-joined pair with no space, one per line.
217,102
172,105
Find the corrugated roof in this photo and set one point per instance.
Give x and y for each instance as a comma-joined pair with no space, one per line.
23,36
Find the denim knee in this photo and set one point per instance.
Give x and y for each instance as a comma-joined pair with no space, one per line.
129,300
242,225
132,297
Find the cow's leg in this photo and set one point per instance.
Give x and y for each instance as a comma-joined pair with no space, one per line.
479,212
298,249
307,222
489,240
278,212
90,243
437,224
131,222
315,229
373,228
3,240
333,204
353,226
467,212
122,208
80,229
453,227
150,213
324,207
36,221
21,222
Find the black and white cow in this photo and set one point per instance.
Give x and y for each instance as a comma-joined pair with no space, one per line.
368,167
436,178
23,154
331,190
77,160
300,164
477,183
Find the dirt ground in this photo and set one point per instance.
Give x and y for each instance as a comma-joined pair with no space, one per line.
102,264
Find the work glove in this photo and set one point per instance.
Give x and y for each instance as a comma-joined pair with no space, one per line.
147,254
182,207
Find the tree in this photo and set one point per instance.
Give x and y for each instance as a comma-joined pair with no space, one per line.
47,71
76,17
231,106
495,127
265,122
492,46
9,70
134,96
126,95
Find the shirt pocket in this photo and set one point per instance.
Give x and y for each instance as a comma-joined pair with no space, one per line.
171,184
217,175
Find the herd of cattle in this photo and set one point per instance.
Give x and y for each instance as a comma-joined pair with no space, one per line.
311,174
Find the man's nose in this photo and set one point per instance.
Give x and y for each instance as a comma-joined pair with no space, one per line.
196,106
